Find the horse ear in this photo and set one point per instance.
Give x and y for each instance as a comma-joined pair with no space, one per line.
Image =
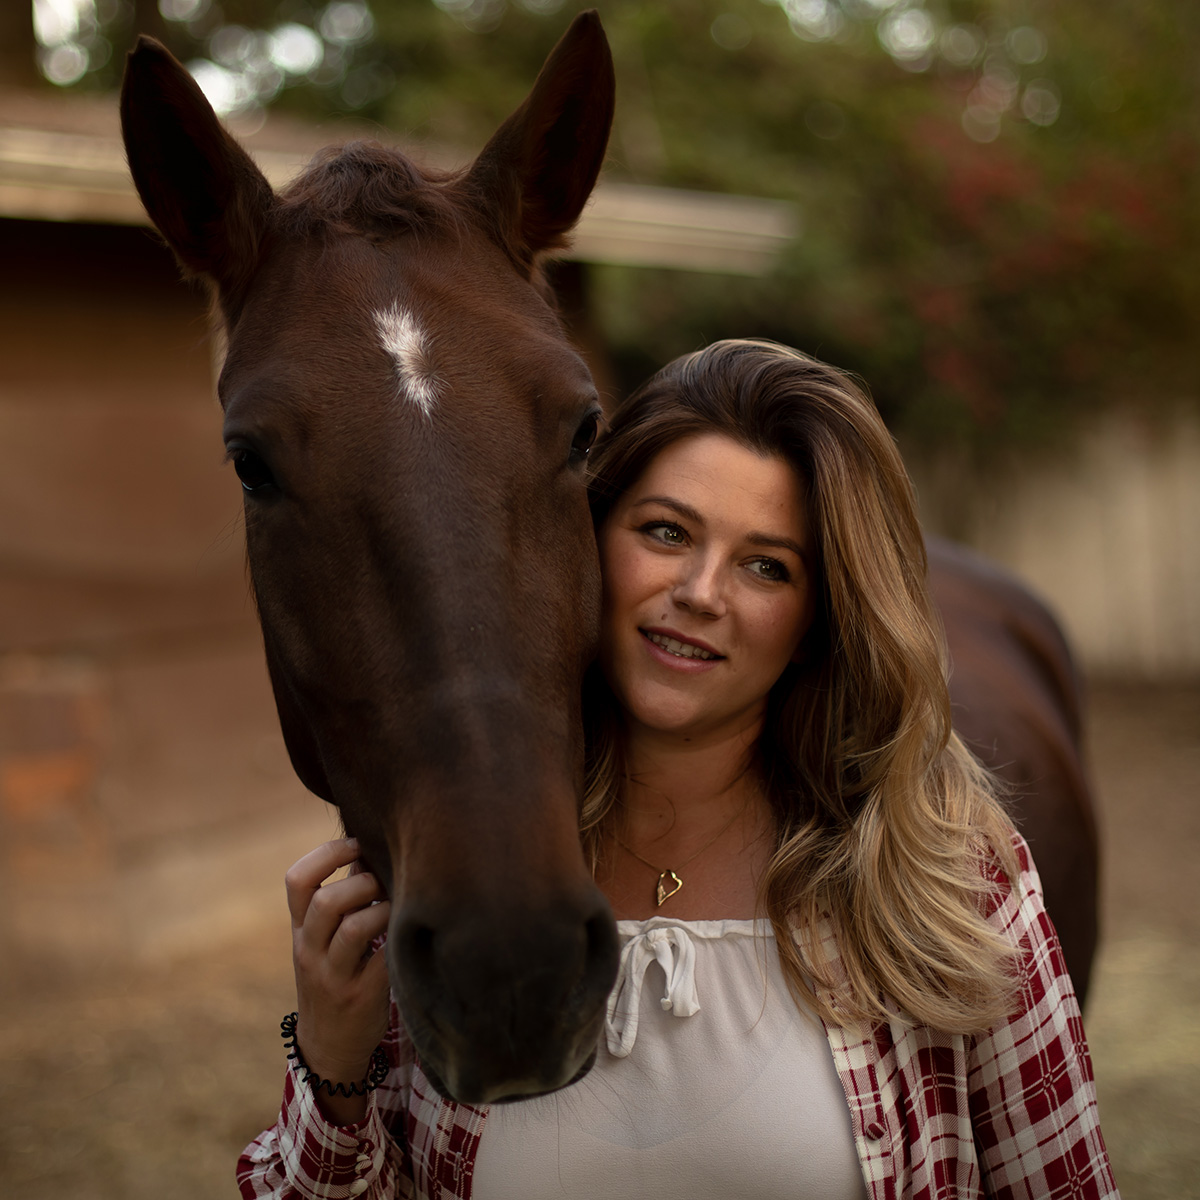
201,189
539,168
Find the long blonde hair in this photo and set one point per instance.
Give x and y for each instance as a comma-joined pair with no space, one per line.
884,818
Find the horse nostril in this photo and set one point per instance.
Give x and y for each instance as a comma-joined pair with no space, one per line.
601,948
598,937
417,943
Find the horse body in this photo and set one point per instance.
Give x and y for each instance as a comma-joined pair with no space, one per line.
1016,703
409,422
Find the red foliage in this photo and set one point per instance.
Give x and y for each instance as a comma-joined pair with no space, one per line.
960,372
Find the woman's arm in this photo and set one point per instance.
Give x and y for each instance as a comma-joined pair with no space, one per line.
1032,1093
325,1146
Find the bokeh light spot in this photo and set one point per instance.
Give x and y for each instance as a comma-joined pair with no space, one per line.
907,33
64,64
731,31
183,10
56,22
1040,103
225,90
961,45
480,16
345,23
997,89
1026,45
232,45
99,52
295,49
813,20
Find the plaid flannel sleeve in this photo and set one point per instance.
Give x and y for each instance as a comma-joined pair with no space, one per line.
303,1157
1031,1090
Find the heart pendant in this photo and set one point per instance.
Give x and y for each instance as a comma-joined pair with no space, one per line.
668,884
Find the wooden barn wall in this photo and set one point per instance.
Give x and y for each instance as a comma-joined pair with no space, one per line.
145,797
1107,530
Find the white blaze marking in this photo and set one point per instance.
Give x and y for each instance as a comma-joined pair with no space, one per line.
408,348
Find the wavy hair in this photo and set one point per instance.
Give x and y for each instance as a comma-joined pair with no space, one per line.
885,821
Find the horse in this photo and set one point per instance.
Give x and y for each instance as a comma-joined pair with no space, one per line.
410,424
1016,701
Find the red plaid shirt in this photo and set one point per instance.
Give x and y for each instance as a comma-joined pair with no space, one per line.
1007,1114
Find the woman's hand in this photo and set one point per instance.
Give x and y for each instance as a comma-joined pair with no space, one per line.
341,987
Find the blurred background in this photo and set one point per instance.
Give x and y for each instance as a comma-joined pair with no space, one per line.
988,208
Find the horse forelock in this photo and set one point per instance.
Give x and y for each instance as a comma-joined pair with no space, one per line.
365,189
369,189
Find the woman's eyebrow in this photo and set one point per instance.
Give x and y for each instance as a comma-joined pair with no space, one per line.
769,541
684,510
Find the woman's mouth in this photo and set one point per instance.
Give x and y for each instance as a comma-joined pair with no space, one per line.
679,649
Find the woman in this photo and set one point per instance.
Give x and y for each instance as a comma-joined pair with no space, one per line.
837,978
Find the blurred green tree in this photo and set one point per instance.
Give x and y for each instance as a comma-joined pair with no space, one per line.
999,197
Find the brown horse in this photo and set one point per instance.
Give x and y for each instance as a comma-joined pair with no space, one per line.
410,424
1016,703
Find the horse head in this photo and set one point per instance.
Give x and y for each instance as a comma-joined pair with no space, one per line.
409,425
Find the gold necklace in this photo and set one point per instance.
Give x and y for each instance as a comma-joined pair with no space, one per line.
667,877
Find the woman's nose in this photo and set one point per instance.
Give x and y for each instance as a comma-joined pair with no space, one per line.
700,588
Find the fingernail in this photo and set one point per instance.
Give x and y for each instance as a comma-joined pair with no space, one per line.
351,843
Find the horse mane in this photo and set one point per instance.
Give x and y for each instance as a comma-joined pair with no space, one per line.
369,189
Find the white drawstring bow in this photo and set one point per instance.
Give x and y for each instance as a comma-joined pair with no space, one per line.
674,951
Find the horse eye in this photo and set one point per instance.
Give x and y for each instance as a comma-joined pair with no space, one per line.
585,437
252,471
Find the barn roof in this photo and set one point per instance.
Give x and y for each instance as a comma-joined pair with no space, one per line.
61,159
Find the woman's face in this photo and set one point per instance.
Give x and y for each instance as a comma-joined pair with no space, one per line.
709,587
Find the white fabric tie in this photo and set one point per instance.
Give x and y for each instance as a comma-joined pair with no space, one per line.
674,951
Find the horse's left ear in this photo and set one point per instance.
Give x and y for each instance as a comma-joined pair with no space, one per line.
201,189
539,168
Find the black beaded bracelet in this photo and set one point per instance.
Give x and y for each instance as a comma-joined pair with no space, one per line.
376,1073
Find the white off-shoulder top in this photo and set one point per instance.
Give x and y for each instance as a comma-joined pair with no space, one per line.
711,1084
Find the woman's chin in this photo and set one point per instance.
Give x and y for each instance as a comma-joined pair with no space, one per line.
704,723
691,724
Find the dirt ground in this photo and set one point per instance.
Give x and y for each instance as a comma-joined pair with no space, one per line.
143,1085
1143,1020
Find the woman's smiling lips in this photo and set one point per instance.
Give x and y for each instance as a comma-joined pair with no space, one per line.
675,650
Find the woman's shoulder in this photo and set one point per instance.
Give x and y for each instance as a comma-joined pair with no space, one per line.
1010,880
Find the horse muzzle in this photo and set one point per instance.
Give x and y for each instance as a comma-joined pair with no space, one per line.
504,1004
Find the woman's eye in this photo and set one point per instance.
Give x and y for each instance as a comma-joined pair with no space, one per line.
770,568
252,471
585,437
664,531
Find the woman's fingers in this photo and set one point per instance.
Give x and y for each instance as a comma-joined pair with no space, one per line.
353,937
331,905
305,876
335,920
